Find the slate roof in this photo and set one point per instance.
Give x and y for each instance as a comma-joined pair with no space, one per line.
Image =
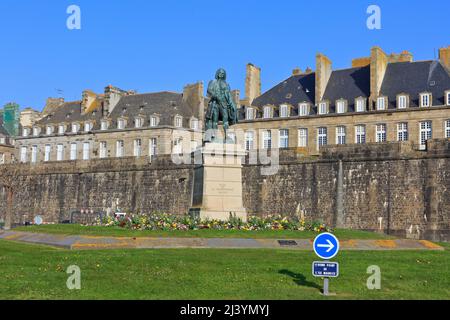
412,78
67,112
415,78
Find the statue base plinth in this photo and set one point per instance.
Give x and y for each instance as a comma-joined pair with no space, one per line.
217,192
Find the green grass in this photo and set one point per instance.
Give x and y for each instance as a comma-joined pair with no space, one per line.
121,232
38,272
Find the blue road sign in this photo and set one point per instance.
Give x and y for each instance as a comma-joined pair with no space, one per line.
326,246
325,269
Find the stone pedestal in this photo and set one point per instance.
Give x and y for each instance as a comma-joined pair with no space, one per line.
217,191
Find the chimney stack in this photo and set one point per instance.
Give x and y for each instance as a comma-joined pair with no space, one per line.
360,62
193,97
252,83
323,74
378,66
297,72
112,98
444,57
52,104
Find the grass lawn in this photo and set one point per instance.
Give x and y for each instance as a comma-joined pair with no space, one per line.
38,272
67,229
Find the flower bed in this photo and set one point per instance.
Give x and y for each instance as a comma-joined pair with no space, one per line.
166,222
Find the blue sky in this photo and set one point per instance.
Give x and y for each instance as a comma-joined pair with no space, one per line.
149,45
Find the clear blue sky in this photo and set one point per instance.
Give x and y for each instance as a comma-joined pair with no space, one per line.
150,45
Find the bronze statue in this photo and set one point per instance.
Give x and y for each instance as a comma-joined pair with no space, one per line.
221,107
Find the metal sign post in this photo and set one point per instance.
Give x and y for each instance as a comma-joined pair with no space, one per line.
326,246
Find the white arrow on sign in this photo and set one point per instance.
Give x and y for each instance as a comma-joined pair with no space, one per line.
330,246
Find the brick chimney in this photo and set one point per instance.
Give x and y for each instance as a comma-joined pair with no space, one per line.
193,97
323,74
378,64
404,56
297,72
444,57
252,83
88,101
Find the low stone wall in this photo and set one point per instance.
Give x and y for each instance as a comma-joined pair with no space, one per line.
389,187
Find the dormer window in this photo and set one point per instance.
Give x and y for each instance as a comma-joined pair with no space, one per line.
87,126
36,131
284,111
104,125
139,122
49,130
153,121
323,108
194,124
25,132
249,114
425,100
267,112
121,124
447,98
360,105
61,129
381,103
402,101
75,127
178,122
340,106
303,109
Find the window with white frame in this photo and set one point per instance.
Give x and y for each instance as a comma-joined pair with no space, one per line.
267,139
23,154
47,152
86,150
104,125
119,148
194,145
153,147
137,147
447,95
447,128
34,151
322,137
59,152
2,140
25,132
323,108
402,131
178,122
87,126
402,102
153,121
138,122
249,114
2,158
49,130
121,124
341,135
249,140
360,105
381,103
283,138
425,100
61,129
303,110
426,133
103,150
284,111
194,124
267,114
340,106
302,137
75,127
380,135
73,151
360,134
178,146
36,131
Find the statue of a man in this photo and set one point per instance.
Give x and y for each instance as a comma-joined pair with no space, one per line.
221,106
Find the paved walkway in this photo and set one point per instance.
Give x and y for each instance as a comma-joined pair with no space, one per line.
100,243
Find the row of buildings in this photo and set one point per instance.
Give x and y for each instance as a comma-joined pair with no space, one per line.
381,98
